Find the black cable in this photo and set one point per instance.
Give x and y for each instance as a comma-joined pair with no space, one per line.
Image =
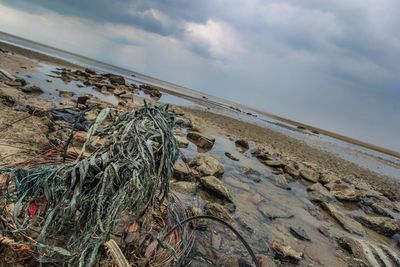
210,217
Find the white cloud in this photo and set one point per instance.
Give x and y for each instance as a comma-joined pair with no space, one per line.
217,38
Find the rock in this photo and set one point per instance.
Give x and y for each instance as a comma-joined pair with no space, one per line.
216,186
272,212
324,231
119,92
299,233
292,168
319,193
182,171
182,141
177,110
82,99
245,224
256,198
273,163
184,122
286,252
266,261
327,178
368,253
31,89
242,144
65,93
310,175
127,95
343,191
232,157
216,210
116,79
184,187
49,81
201,140
382,225
151,90
345,221
207,166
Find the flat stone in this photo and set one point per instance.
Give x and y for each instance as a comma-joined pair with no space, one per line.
286,252
299,233
272,212
328,178
273,163
345,221
182,171
201,140
232,157
207,166
343,191
383,225
319,193
215,186
309,175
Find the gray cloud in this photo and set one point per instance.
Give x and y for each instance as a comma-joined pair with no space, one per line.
331,63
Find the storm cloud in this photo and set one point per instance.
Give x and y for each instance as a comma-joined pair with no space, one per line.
332,64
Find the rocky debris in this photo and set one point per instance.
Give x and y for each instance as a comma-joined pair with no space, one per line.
309,175
116,79
65,93
182,141
266,153
299,233
119,92
216,210
201,140
207,166
345,221
31,89
242,145
327,178
232,157
272,212
286,252
182,171
368,254
215,186
383,225
184,187
319,193
383,208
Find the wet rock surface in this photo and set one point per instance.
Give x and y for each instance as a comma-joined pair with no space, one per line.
345,221
207,166
286,252
215,186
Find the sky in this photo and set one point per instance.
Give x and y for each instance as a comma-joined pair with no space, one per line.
333,64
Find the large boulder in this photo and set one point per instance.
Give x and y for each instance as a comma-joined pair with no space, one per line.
216,187
345,221
207,166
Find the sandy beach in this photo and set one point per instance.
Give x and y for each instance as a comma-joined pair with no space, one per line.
296,203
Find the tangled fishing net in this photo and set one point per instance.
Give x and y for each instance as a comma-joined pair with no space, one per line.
72,207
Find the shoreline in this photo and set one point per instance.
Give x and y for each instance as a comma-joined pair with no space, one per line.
55,60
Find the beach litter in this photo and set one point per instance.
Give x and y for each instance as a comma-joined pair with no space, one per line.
67,211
